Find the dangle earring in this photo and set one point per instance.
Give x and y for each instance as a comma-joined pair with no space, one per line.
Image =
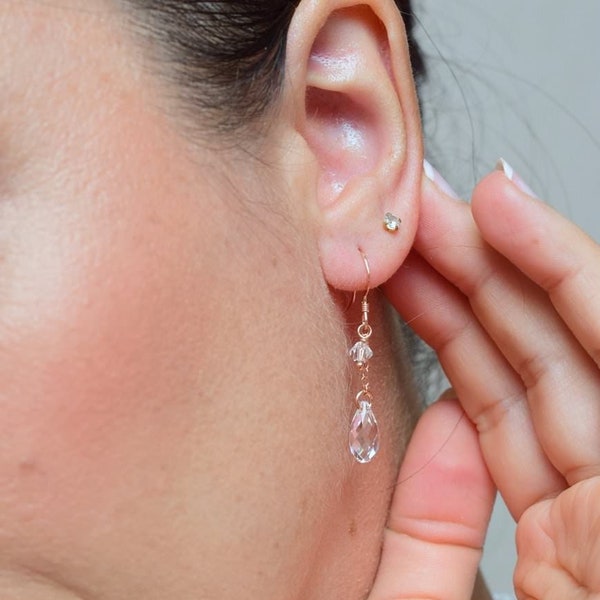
364,431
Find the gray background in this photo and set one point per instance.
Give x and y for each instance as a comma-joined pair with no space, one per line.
518,79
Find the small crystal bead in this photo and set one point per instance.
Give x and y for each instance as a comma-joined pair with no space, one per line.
391,222
364,434
361,352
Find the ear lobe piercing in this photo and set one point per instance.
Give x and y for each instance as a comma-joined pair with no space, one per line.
364,431
391,222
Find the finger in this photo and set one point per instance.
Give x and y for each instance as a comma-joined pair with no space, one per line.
549,249
439,514
520,318
490,391
558,547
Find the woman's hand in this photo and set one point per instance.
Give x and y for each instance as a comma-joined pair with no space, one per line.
508,294
559,546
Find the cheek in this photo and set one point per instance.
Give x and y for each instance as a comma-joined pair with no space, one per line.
94,345
106,281
137,370
163,398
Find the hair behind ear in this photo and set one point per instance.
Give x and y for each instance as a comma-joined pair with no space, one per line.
227,58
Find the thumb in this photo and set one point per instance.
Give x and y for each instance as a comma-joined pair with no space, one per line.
439,516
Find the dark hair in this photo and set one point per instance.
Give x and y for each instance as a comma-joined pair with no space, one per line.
227,56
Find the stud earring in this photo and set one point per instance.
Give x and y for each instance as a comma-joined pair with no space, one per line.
391,222
364,431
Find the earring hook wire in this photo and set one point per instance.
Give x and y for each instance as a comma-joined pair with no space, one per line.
368,288
368,269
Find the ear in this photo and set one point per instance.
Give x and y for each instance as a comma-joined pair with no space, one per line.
351,86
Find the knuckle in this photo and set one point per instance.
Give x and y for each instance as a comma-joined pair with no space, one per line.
497,411
455,332
556,280
533,368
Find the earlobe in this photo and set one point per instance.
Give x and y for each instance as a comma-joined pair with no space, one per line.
357,111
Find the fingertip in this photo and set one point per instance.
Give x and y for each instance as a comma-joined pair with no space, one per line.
447,411
508,218
440,511
439,183
491,188
502,185
444,466
504,167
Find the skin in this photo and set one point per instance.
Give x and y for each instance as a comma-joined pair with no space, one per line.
513,284
174,380
174,384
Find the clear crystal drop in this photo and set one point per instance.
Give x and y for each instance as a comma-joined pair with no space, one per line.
364,434
361,352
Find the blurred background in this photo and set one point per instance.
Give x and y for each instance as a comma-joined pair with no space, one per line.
518,79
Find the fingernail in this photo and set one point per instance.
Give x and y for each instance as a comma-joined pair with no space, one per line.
433,176
513,176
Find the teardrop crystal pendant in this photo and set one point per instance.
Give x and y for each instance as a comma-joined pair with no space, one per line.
364,434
